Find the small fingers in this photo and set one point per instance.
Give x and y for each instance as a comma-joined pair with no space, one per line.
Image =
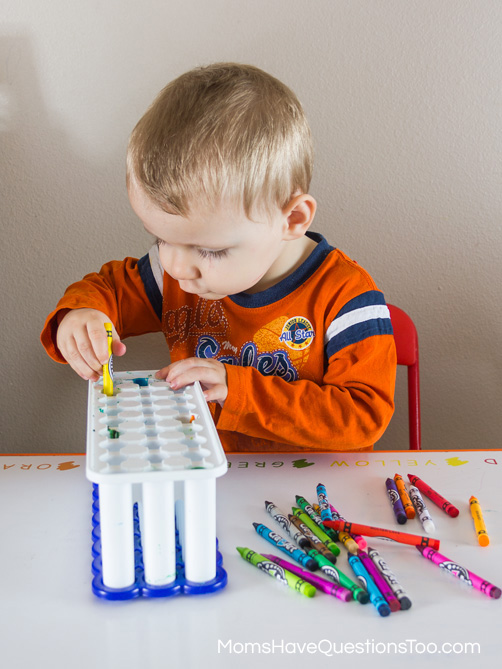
162,373
216,393
172,371
211,374
78,357
205,370
93,344
83,341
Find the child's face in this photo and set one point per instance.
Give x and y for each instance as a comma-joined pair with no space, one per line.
217,252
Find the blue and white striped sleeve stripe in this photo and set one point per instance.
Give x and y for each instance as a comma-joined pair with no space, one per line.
364,316
152,275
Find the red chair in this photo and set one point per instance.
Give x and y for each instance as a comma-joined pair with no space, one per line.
405,335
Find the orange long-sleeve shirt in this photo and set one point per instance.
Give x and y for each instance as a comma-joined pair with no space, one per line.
311,361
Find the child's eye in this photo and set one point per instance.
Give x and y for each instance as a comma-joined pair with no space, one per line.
206,253
203,253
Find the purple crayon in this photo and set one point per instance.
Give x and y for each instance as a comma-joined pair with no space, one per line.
327,587
380,582
460,572
395,500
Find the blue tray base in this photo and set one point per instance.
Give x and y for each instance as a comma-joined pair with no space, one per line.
140,588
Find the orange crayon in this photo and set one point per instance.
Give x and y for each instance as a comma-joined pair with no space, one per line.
409,509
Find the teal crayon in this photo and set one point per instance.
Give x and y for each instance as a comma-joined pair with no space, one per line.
358,593
285,546
376,597
322,497
282,519
317,530
276,571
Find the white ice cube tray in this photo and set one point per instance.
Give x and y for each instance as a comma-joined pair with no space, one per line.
150,432
157,447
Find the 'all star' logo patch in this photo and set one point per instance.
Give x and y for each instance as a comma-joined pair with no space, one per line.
297,333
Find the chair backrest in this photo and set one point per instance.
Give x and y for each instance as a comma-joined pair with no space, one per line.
405,335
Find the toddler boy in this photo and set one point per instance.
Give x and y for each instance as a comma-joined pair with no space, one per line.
290,339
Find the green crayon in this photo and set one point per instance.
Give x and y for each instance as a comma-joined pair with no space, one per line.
317,530
358,593
315,542
310,511
278,572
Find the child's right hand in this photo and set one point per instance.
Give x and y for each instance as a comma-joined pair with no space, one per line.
82,340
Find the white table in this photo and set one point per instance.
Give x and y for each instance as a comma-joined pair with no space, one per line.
50,618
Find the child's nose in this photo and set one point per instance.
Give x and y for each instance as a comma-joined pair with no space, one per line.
182,267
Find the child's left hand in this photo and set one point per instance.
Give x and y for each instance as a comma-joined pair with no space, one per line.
211,374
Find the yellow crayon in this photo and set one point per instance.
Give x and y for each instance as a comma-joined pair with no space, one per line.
344,537
479,523
409,509
108,366
349,543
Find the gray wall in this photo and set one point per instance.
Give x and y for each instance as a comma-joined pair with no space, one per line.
404,99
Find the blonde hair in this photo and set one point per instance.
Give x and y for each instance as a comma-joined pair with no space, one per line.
225,131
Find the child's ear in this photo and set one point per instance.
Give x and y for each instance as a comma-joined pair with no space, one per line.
299,214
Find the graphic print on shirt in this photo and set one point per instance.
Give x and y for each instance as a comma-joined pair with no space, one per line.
279,348
185,324
297,333
265,352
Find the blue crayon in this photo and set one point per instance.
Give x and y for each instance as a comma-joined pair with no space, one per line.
395,500
376,597
324,507
285,546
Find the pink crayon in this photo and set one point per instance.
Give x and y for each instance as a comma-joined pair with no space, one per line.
460,572
329,588
438,499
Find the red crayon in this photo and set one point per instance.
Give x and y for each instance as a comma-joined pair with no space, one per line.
369,531
438,499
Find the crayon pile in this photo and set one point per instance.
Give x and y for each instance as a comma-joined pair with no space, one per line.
405,502
314,532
